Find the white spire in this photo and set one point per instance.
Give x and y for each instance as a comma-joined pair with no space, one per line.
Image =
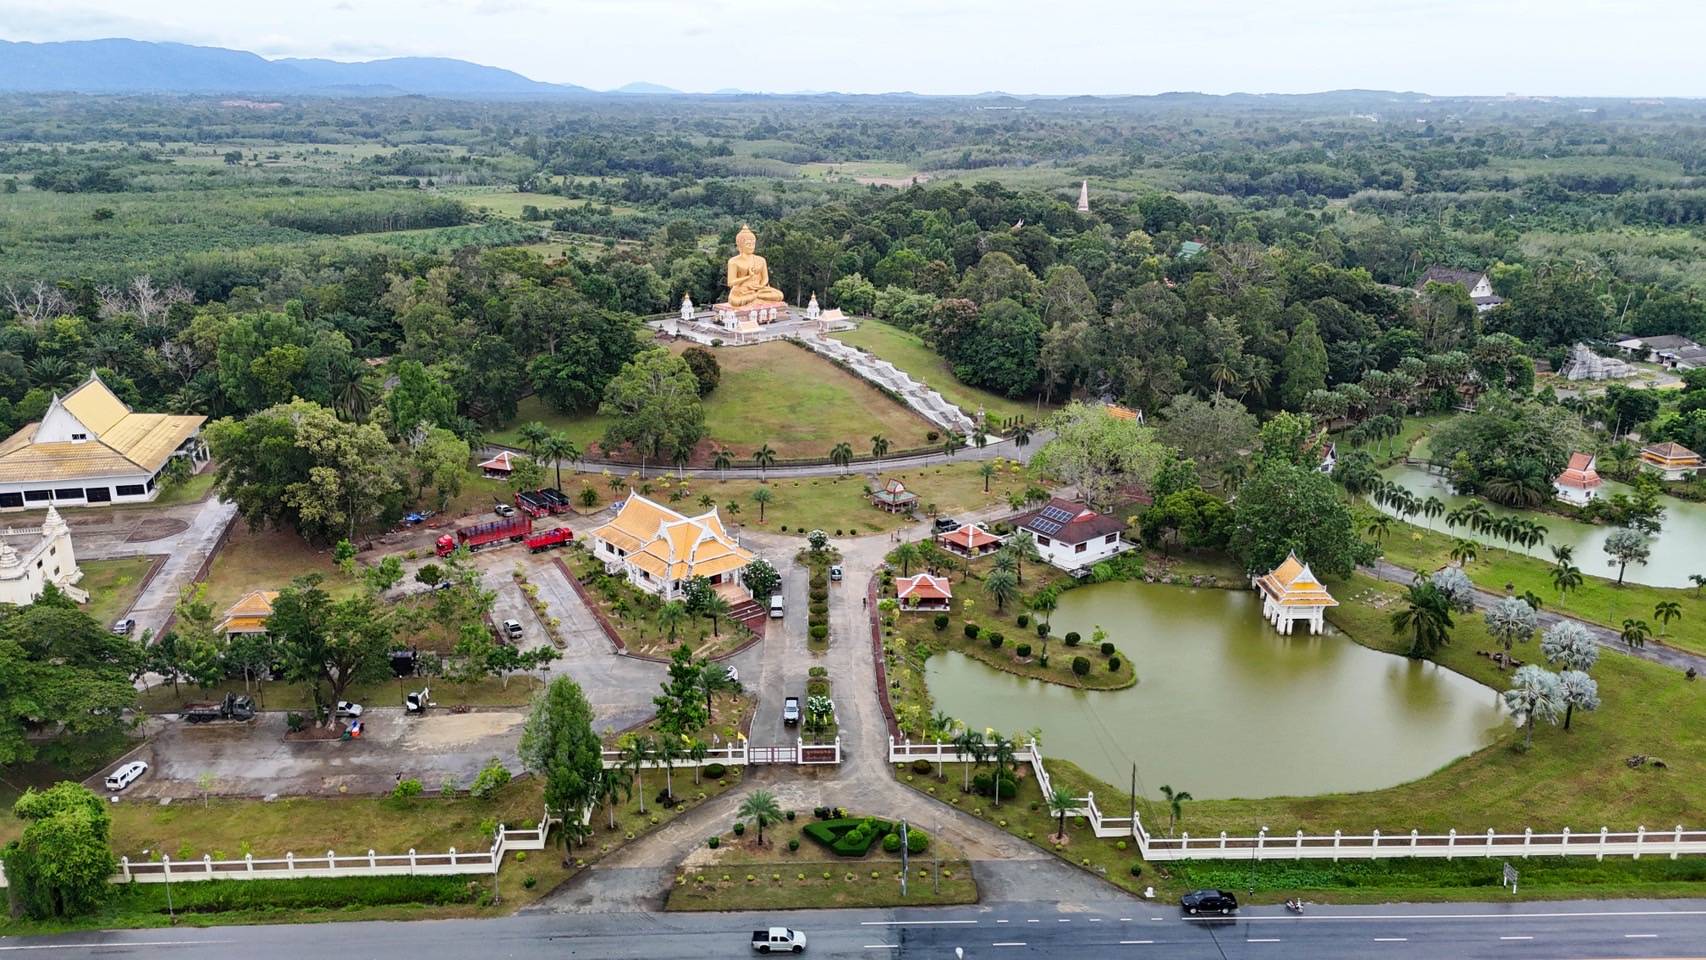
1084,197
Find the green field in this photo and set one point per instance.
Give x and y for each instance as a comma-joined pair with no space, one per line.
113,585
909,353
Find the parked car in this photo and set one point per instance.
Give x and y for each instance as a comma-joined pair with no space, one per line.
348,709
776,609
126,775
503,510
791,711
778,940
1209,901
124,627
945,525
835,572
512,629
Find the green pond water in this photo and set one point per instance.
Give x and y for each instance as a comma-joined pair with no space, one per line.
1678,549
1225,706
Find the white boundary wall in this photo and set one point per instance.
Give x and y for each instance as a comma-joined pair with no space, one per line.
742,754
1340,846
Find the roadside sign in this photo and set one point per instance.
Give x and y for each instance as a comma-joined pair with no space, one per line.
1510,878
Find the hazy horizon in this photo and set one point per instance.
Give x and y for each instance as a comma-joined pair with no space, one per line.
1584,48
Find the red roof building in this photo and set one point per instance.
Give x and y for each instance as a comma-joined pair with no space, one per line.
923,592
971,540
499,467
1580,482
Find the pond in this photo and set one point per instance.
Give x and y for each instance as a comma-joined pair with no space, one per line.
1224,706
1676,547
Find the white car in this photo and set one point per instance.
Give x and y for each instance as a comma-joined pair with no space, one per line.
126,775
348,709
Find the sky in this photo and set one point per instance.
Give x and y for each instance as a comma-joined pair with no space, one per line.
1532,47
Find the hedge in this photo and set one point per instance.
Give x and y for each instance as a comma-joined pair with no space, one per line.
848,836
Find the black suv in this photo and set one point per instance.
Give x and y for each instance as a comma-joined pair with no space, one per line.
946,524
1209,901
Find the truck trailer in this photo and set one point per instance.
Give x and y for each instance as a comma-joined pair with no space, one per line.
513,529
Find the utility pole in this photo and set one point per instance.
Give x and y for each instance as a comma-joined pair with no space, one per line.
904,862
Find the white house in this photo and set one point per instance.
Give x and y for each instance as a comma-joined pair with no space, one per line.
90,448
1580,482
659,550
1070,535
25,572
1475,281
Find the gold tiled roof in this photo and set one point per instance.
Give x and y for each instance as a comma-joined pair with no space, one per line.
1293,584
671,546
122,443
249,614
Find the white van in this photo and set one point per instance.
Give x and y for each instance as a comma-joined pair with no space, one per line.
126,775
776,606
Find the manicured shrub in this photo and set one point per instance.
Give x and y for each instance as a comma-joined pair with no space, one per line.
1072,638
983,784
740,828
715,771
295,722
1042,630
1121,845
971,631
714,842
1113,664
818,631
1137,869
922,766
1081,665
891,843
1107,649
790,816
819,595
406,789
1042,661
491,778
917,841
1023,650
940,622
818,609
995,639
1024,620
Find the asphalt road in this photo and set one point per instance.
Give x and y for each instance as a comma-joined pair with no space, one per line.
1555,931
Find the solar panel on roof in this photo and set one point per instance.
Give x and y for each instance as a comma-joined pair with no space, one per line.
1058,514
1045,526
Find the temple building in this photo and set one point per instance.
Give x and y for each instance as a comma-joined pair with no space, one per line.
923,593
90,448
1579,483
659,550
249,615
971,540
1084,197
1290,593
895,498
1671,461
28,567
498,467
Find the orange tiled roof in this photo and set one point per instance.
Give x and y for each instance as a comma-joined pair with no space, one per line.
971,536
1580,473
1293,584
923,586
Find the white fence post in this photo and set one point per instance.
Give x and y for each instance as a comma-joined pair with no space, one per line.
124,868
1375,836
166,867
1640,838
372,863
249,863
1528,839
1678,848
411,861
331,860
1566,844
1223,839
1299,846
207,863
1415,840
1185,841
1450,843
1336,839
1489,841
1602,833
290,863
1261,841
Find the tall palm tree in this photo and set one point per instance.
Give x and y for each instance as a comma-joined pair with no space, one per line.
613,787
633,755
1045,604
1563,553
986,470
765,458
906,555
1666,611
1175,805
1021,432
697,751
879,449
761,808
1023,546
762,496
1379,526
713,679
1431,508
1426,616
715,607
1699,580
1566,576
1002,752
671,616
720,461
668,753
841,455
969,744
556,448
356,394
1003,586
533,436
1635,632
1464,551
1059,803
1534,694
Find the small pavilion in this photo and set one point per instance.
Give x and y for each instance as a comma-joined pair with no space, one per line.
895,498
923,593
249,614
971,540
499,467
1290,593
1672,461
1579,483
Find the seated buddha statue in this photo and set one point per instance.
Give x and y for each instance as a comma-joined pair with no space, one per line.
749,275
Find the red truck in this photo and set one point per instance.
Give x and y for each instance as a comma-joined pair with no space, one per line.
548,539
514,529
532,503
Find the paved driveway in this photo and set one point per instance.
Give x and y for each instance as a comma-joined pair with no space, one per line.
183,534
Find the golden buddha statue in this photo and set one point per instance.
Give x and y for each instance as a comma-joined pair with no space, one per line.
749,274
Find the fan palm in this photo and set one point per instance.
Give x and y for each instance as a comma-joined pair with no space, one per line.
1003,586
715,607
1060,802
762,496
761,808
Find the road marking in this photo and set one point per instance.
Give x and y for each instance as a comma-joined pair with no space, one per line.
1063,920
1391,939
1639,936
1537,915
1263,940
126,943
1095,919
1008,943
911,923
1125,919
1157,919
1137,941
882,946
1516,938
1033,921
1003,921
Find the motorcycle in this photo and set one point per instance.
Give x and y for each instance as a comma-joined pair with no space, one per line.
1295,906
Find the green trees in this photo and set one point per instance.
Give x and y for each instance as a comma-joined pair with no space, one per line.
1284,508
1625,546
557,447
329,644
1098,453
1175,805
761,808
761,578
1509,449
1635,632
1212,432
679,707
59,865
297,465
1003,586
654,403
559,745
969,744
907,554
1304,368
1059,802
60,670
705,368
841,455
762,496
764,458
1664,612
420,397
584,350
1426,617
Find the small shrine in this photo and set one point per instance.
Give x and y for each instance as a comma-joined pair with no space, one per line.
1291,593
895,498
971,540
923,593
813,311
1580,482
498,467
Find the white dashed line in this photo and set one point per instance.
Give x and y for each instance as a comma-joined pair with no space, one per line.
911,923
1125,919
1263,940
1095,919
1391,939
1063,920
1639,936
1516,938
1008,943
1033,921
1136,941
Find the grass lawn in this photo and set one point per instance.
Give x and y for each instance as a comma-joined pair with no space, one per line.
1599,599
906,351
277,695
268,560
742,875
584,429
113,585
190,491
633,614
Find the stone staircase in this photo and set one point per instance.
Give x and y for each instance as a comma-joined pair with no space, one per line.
751,614
929,404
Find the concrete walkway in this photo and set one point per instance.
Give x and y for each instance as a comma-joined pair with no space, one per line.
194,529
928,404
1608,638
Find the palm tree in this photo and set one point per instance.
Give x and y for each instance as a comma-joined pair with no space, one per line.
760,807
732,508
1001,751
1534,694
969,744
1666,611
556,448
879,449
1566,576
715,606
1577,689
614,786
841,455
533,435
987,472
713,679
671,616
1635,632
762,496
1563,553
668,753
1509,620
357,394
1044,604
697,751
1175,805
1021,432
1379,526
706,501
634,752
953,442
765,458
906,555
1699,580
1232,475
1464,551
1426,617
1023,546
1003,586
1060,802
720,461
1431,508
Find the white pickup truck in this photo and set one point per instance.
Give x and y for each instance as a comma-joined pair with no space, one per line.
778,939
